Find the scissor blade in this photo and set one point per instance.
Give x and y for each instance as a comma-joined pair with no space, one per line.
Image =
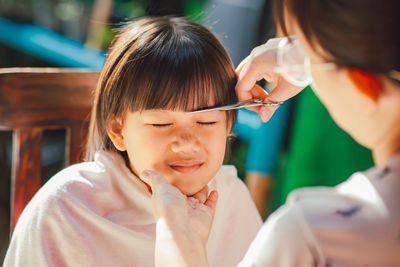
239,105
229,107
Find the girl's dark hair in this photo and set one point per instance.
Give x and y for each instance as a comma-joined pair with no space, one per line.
160,63
361,34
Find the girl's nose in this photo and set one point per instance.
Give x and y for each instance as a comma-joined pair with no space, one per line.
185,143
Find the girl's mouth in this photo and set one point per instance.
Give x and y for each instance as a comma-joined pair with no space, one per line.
186,166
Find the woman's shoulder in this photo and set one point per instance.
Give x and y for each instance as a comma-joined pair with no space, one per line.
362,190
324,206
282,241
356,216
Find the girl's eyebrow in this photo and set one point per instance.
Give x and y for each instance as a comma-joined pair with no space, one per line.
153,111
163,112
212,114
159,113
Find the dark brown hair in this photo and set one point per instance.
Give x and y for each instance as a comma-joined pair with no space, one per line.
160,63
361,34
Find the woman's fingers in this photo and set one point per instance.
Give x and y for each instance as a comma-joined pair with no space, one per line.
283,91
211,201
259,65
265,113
161,188
153,179
257,92
166,199
201,196
247,78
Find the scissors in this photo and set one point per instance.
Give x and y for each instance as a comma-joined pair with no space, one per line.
240,104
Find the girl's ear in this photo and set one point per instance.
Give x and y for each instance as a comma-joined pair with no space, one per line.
114,131
366,83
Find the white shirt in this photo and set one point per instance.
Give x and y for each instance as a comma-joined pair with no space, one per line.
356,223
99,214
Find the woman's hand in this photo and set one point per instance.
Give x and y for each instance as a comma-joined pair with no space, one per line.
183,223
257,66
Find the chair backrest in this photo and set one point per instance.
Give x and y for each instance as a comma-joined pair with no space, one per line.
35,99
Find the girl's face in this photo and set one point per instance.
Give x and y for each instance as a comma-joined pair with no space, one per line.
188,149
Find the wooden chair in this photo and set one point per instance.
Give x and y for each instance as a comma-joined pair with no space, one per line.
35,99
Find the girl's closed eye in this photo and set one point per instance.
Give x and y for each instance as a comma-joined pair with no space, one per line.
209,119
160,125
207,122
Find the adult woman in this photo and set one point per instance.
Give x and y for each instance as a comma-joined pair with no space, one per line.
350,50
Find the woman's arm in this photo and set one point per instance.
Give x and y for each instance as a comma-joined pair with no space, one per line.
183,223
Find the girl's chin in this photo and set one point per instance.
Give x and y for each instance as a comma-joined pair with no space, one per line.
191,186
188,191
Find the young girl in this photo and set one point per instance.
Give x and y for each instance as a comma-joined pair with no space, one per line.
98,213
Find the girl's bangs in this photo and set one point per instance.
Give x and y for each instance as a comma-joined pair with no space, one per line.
185,87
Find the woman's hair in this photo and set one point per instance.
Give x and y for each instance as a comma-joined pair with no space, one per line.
160,63
361,34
